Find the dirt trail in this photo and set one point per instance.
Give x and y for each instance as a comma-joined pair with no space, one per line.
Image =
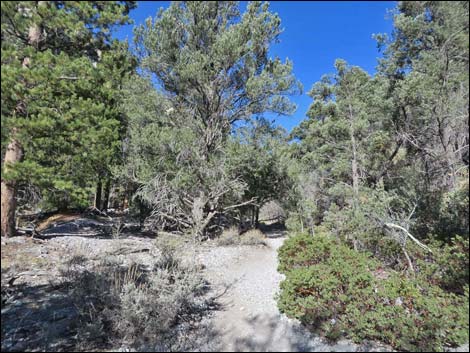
38,315
247,279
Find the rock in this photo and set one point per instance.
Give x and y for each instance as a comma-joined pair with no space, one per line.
463,348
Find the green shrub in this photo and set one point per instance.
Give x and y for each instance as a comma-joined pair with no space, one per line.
454,259
341,292
307,250
449,265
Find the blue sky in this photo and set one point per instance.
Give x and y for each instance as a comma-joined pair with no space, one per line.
315,34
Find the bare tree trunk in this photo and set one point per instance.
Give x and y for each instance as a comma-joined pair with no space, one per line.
142,213
197,214
410,263
257,217
450,157
107,190
97,202
125,203
355,174
13,155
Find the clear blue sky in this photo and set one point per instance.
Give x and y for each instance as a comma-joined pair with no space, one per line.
315,34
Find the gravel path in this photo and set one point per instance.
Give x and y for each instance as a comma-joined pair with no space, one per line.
244,281
247,281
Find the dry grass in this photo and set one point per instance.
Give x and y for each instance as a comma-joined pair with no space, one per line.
231,236
253,237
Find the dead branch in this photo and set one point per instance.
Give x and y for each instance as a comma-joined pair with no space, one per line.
393,225
249,202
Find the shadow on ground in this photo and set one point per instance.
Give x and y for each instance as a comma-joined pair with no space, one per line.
276,333
40,317
274,230
67,316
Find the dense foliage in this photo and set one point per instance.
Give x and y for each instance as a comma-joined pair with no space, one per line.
383,160
381,165
212,67
375,179
61,73
341,292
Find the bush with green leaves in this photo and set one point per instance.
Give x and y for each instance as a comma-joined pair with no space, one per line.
449,266
342,292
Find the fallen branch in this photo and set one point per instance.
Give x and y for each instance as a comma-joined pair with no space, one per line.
171,218
410,263
249,202
392,225
93,211
127,251
73,78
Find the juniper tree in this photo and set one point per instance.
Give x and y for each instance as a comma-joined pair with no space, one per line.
346,147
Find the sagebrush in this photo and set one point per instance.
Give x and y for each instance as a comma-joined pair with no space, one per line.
136,306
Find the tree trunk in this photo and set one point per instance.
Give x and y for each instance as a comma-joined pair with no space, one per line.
14,154
97,203
125,203
142,213
257,217
107,190
355,174
197,215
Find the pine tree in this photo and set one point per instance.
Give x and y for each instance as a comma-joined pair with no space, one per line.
213,68
426,62
52,116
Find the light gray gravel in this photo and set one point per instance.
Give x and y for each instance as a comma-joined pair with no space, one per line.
243,279
246,280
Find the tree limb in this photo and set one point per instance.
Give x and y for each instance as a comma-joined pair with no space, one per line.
393,225
249,202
